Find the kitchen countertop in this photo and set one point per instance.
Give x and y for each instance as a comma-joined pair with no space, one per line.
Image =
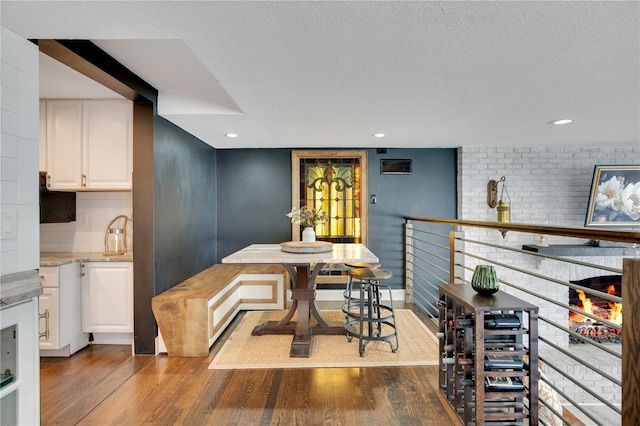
57,259
22,286
18,287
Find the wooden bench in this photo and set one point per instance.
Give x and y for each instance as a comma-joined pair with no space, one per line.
193,314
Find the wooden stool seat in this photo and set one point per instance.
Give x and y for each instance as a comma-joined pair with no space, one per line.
370,274
363,265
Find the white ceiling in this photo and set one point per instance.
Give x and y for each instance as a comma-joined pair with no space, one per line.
331,74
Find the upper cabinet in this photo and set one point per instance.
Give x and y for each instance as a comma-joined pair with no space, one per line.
88,144
64,145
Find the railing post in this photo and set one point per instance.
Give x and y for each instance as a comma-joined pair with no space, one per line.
408,265
456,257
631,342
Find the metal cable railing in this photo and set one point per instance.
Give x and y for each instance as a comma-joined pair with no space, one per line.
583,368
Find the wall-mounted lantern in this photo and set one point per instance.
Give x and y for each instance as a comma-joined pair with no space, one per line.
503,205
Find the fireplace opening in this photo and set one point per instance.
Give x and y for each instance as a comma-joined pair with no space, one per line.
599,306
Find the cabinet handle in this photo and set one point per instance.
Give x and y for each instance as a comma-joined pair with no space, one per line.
42,277
45,333
48,181
84,181
82,269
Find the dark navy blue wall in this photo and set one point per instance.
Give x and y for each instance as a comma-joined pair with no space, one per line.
254,194
184,214
430,191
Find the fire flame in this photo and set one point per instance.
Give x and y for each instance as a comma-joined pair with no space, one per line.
616,308
614,315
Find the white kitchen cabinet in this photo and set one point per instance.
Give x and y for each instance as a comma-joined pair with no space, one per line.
49,324
64,145
89,145
107,153
19,401
107,297
42,155
61,311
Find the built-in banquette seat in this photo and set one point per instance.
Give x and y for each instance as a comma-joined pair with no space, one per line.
194,313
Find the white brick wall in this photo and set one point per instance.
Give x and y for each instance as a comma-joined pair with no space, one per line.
543,182
545,185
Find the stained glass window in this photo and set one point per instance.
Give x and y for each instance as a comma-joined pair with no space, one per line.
334,184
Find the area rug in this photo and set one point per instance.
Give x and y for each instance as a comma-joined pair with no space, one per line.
417,346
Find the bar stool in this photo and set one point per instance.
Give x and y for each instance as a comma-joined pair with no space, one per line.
367,318
350,301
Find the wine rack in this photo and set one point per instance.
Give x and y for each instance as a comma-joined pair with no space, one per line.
489,348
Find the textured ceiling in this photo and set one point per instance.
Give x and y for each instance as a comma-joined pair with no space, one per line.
331,74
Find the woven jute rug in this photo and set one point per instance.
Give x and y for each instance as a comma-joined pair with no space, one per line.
417,346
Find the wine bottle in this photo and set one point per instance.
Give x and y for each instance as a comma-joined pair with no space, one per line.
464,322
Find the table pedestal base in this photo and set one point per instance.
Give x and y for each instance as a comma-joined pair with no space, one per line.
303,297
301,343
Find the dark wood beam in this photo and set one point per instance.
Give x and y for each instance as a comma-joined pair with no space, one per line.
63,54
143,231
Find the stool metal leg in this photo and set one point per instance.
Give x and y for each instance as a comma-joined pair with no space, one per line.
370,319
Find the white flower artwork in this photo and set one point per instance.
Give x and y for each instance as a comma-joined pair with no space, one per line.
615,197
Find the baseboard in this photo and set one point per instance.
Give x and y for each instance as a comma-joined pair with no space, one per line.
113,339
64,352
160,346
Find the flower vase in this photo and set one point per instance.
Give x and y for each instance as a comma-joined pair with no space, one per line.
308,235
485,280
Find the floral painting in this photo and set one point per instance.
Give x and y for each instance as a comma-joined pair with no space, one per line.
615,197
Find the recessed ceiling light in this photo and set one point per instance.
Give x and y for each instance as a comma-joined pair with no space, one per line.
378,135
562,121
231,135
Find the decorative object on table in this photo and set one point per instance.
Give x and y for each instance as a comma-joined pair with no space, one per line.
308,235
115,238
302,247
485,280
308,219
614,199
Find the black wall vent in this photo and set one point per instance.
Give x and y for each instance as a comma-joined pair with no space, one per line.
395,167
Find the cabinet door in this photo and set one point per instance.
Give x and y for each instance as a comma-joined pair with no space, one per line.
42,154
64,145
19,400
107,297
107,137
71,308
49,308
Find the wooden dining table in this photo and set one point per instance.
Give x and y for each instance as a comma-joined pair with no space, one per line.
303,268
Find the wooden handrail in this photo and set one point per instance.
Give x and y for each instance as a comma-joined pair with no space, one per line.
590,234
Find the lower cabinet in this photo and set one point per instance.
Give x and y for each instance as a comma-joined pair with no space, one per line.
107,298
60,309
19,364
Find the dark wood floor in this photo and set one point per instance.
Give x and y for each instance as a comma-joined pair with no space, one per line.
106,385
